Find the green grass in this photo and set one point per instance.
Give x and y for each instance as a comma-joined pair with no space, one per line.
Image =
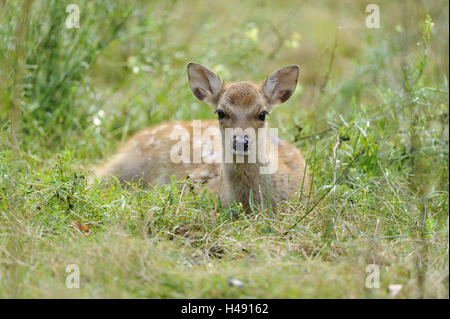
370,117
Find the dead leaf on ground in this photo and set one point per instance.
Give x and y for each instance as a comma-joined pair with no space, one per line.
83,228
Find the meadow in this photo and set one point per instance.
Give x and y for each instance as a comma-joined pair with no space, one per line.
370,116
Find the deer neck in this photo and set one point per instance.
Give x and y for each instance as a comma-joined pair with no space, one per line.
242,178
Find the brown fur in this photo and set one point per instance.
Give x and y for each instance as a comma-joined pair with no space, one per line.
241,94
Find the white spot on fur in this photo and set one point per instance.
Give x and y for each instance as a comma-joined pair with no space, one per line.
150,142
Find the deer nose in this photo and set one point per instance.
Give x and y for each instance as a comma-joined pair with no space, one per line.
240,144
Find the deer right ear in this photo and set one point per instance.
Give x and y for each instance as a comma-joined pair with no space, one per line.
204,83
281,84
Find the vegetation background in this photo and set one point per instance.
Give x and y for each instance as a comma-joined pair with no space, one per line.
370,116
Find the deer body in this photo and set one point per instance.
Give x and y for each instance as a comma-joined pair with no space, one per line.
148,155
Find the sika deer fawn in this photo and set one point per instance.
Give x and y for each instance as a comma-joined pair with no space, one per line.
223,151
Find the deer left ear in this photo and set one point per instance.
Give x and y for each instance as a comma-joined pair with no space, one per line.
204,83
281,84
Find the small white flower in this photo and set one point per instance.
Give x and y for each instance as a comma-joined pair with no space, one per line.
235,282
97,121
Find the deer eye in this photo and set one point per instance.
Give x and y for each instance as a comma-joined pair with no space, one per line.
220,114
262,116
